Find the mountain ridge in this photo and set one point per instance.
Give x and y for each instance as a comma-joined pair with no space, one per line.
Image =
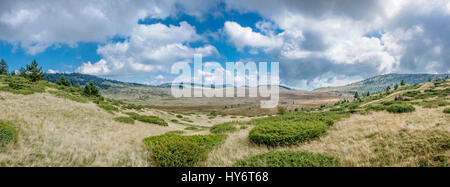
380,82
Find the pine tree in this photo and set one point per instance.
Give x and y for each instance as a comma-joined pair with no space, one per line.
90,89
3,67
356,95
402,83
388,88
396,87
64,82
368,94
32,72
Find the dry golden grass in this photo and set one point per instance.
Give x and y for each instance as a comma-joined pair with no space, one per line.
59,132
350,140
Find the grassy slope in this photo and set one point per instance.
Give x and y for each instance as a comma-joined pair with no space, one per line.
380,82
359,139
55,131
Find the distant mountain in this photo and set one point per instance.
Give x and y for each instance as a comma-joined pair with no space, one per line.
169,85
102,83
380,82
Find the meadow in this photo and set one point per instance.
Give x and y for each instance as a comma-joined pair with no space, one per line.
46,124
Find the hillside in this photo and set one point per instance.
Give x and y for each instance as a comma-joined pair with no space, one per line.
380,82
60,126
83,79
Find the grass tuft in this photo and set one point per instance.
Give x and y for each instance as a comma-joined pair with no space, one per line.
7,134
124,119
223,128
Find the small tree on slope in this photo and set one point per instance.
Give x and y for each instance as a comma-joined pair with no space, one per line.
3,67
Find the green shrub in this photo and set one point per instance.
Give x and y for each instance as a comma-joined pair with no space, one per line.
152,119
192,128
223,128
411,93
375,107
7,134
288,159
447,110
179,116
207,141
291,128
147,119
174,150
281,110
123,119
108,107
286,133
178,154
400,108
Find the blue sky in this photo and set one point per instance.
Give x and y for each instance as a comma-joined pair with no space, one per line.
318,43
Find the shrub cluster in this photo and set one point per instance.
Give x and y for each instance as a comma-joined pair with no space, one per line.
108,107
174,150
223,128
7,134
447,110
178,154
124,119
291,128
148,119
286,133
20,85
400,108
288,159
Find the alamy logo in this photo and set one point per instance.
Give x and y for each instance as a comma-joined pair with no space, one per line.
238,79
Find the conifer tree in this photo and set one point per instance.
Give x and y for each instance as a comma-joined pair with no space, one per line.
356,95
32,72
3,67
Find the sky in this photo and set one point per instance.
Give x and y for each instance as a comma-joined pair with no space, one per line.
318,43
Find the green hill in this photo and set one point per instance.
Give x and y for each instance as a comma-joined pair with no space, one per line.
75,78
380,82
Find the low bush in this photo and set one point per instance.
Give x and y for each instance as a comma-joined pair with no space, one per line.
223,128
7,134
108,107
192,128
447,110
179,116
288,159
411,93
400,108
174,150
286,133
375,107
148,119
124,119
178,154
206,141
291,128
